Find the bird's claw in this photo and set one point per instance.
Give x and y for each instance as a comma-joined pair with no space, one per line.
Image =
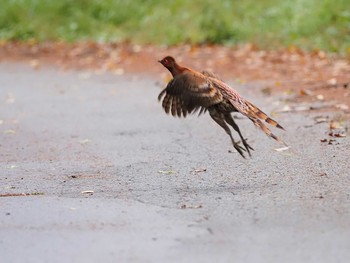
247,147
239,148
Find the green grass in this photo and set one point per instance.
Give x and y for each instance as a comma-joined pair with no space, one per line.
309,24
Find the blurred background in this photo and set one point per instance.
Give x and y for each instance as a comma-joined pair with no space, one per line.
307,24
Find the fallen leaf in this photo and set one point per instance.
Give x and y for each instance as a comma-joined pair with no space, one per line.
342,106
91,192
320,97
36,193
331,141
266,91
10,98
288,108
321,54
184,206
118,71
334,125
241,81
9,132
320,196
338,135
84,141
136,48
289,91
200,170
332,81
166,172
282,149
35,64
305,92
320,119
20,194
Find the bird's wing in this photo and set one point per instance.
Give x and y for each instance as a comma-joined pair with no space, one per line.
188,93
211,74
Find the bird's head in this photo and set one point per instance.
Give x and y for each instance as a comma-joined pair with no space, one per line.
168,62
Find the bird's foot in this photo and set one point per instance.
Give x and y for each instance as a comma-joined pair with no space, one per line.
239,148
247,147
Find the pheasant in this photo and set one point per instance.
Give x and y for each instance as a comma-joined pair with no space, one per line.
191,91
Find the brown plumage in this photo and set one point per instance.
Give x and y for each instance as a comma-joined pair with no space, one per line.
190,91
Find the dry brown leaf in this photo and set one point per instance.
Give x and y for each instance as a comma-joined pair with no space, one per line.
200,170
337,134
87,192
334,125
266,91
305,92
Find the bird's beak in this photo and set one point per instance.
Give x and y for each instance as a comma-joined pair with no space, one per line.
159,61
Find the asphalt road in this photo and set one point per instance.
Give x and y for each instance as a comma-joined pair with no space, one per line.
164,189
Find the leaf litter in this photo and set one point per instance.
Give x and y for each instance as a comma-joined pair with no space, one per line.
166,172
285,69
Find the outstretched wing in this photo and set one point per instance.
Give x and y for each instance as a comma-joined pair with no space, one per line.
211,74
188,93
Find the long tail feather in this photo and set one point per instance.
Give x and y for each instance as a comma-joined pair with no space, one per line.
258,123
263,116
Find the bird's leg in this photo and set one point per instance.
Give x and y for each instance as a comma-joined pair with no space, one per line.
219,119
230,121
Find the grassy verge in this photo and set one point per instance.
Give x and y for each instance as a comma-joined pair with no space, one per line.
309,24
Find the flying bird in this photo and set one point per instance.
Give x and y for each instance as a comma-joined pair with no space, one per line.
191,91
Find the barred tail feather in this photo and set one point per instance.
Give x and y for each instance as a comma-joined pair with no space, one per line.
258,123
274,123
263,116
